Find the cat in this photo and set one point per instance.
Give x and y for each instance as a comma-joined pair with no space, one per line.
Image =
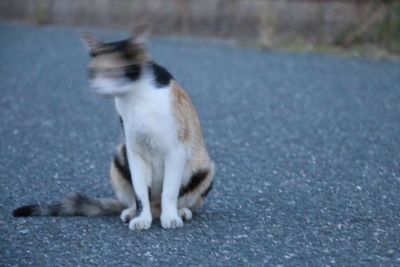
163,169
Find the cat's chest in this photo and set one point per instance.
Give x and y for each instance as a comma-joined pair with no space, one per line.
148,120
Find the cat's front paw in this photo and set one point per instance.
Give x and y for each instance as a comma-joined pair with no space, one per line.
128,214
140,223
171,221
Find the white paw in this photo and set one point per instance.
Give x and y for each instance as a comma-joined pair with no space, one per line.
140,223
128,214
185,214
171,221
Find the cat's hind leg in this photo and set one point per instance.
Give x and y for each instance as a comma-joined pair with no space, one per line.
121,181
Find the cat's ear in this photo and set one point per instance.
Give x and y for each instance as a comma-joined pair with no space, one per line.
90,41
140,35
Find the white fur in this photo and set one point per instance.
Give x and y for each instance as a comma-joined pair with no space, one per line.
110,86
156,157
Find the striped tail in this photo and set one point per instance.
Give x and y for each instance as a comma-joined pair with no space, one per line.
73,205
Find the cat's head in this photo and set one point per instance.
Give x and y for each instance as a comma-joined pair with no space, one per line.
114,67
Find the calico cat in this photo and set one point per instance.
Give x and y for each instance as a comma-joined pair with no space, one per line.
163,169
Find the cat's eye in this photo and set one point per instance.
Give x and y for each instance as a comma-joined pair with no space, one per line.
112,72
129,70
132,69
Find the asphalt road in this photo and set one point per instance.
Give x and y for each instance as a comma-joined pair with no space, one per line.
306,146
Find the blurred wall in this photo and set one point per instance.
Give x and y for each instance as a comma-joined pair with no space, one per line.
267,21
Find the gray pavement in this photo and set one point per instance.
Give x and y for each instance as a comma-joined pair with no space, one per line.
306,146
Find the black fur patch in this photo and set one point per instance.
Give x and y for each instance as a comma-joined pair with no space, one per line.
161,75
123,168
149,192
205,193
125,49
194,182
122,123
139,206
119,45
25,211
122,126
112,47
133,71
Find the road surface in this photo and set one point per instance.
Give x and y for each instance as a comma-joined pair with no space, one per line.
306,147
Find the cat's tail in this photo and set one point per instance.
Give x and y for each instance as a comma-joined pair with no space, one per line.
73,205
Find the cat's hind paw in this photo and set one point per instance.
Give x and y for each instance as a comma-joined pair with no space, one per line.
185,214
128,214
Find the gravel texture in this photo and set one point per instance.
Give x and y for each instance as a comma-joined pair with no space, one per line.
306,146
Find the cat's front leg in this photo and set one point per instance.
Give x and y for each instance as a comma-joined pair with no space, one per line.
174,165
141,175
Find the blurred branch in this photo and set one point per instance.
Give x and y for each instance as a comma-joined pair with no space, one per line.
376,15
184,12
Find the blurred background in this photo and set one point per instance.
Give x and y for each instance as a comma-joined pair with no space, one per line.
361,27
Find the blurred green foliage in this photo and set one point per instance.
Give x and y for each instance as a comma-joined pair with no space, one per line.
41,15
387,32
